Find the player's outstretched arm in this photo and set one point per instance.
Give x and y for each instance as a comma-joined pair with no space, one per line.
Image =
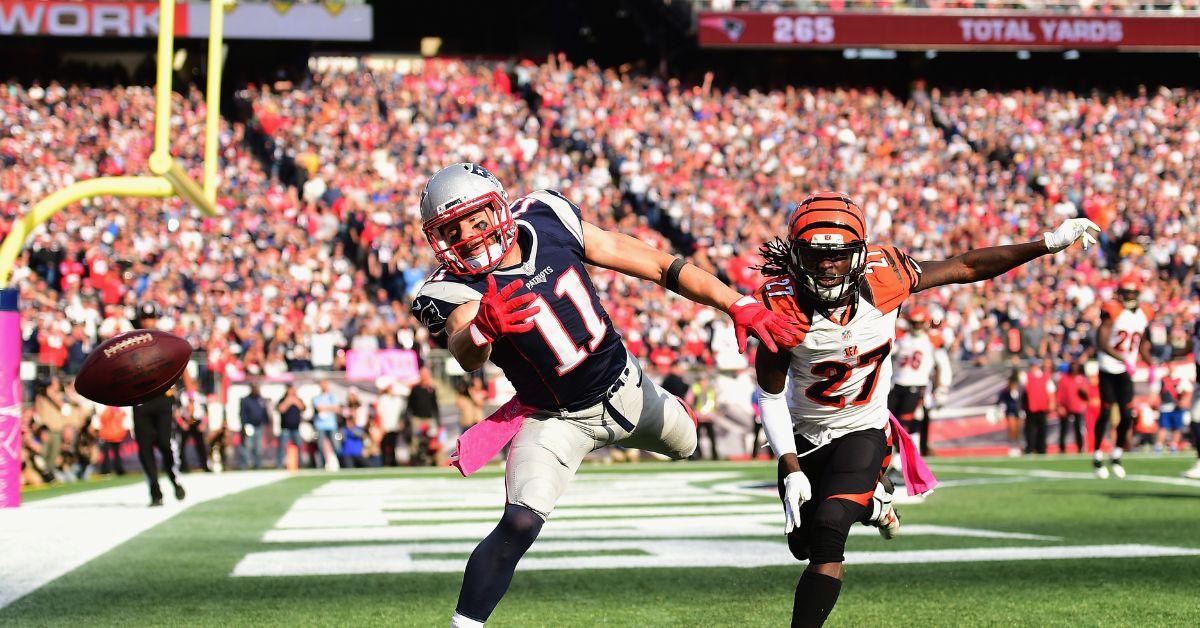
473,326
628,255
771,369
989,262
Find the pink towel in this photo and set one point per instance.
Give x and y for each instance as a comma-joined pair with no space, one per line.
917,476
482,441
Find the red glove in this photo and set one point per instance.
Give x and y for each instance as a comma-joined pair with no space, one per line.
750,316
499,316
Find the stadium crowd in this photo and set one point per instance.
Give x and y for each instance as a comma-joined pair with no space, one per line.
321,244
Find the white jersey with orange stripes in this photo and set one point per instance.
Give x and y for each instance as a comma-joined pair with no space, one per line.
913,360
840,374
1128,328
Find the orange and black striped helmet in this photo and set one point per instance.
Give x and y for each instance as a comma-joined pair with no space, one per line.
826,230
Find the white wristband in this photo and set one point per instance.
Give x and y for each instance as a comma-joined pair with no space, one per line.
777,422
477,336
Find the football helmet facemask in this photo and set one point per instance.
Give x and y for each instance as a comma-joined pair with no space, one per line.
455,193
827,239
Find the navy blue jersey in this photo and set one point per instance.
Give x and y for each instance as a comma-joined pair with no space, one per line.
573,355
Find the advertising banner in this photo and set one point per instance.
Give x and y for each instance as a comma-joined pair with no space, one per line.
397,364
975,30
330,21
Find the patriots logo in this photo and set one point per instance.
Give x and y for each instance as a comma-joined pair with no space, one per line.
430,316
479,170
731,26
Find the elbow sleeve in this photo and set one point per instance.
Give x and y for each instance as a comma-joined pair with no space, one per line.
777,422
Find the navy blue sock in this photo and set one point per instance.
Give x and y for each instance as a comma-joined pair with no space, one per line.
491,566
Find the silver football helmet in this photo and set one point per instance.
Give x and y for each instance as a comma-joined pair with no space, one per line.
454,193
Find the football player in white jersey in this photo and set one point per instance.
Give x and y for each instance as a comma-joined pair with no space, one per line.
913,370
1120,340
828,425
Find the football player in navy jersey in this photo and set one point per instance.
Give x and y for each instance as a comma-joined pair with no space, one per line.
513,288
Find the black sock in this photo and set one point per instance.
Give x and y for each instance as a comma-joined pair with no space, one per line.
816,594
491,566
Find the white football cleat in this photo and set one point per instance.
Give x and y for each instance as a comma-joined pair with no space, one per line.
1101,472
887,519
1194,472
1117,470
889,523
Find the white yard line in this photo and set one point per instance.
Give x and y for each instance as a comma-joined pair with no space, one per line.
364,559
1064,475
718,525
45,539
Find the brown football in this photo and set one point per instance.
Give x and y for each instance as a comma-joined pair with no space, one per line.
133,367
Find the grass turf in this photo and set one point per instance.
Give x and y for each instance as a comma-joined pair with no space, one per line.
179,571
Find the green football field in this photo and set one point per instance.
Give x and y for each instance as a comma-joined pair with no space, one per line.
1003,542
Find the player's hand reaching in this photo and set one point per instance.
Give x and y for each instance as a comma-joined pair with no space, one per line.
796,491
774,330
1069,232
500,314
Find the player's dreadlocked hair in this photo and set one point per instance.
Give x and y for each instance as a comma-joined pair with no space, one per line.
777,259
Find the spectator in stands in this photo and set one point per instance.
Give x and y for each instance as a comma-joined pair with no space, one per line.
1010,405
255,417
1038,401
328,405
54,411
390,407
114,426
192,414
353,437
424,416
1072,406
703,399
469,398
291,412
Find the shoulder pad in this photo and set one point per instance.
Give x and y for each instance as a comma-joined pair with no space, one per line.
554,205
778,294
889,278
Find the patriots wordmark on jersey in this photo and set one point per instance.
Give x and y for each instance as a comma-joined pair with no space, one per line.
840,374
573,354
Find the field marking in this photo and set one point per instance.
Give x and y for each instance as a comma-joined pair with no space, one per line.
366,559
715,526
45,539
1065,475
304,518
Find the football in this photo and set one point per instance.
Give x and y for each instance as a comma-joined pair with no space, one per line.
133,367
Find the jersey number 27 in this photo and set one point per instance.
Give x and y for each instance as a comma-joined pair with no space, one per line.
834,373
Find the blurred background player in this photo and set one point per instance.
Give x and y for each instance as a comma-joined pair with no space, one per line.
153,422
548,332
1120,341
830,429
915,369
